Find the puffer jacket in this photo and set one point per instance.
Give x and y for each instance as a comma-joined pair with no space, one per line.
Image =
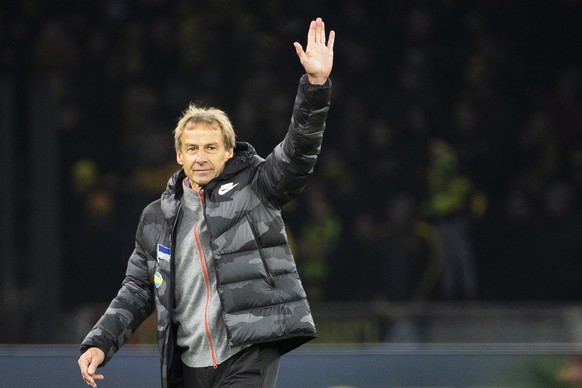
261,294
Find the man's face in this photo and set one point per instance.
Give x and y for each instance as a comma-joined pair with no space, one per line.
202,154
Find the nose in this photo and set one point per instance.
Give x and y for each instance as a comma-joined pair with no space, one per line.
201,157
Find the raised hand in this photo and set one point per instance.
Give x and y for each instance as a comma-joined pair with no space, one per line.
317,59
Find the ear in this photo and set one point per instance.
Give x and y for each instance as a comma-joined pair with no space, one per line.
179,157
230,153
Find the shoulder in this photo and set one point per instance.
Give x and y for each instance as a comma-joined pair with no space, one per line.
153,206
152,213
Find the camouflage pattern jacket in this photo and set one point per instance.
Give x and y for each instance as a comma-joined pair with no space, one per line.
262,298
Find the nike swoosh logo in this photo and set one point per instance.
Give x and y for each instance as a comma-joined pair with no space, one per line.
226,188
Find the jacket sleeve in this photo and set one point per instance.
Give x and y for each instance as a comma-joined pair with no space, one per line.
287,169
132,305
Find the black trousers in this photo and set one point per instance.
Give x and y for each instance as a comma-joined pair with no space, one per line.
254,367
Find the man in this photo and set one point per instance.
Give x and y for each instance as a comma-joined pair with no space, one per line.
212,256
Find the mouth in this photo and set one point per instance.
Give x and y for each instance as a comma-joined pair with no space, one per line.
203,173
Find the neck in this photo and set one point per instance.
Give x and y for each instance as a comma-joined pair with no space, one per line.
192,186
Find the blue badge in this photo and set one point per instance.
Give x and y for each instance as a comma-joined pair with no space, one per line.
164,253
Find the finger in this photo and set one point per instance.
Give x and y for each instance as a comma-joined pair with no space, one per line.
93,366
311,32
331,40
317,36
83,365
89,380
319,31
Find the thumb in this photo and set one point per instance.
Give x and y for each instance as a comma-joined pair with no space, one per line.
93,366
299,49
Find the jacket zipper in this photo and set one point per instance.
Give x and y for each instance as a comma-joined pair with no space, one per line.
260,249
171,289
208,290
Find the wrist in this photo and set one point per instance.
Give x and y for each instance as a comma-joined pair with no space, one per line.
316,80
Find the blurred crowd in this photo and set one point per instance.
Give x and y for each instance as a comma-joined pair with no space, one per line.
452,163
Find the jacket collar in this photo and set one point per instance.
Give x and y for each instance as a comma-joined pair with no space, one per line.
170,199
243,153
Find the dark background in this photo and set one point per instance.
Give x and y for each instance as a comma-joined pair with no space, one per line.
451,169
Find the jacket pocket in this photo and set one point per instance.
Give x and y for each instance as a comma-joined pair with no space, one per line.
256,236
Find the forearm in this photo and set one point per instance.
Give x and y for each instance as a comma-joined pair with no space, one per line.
288,167
125,314
308,122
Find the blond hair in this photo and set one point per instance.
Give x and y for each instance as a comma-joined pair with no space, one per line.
216,118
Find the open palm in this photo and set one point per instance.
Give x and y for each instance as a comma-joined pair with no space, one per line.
317,59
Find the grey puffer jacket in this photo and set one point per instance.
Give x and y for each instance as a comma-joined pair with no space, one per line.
258,284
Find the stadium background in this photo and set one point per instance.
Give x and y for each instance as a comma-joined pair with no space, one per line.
443,220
